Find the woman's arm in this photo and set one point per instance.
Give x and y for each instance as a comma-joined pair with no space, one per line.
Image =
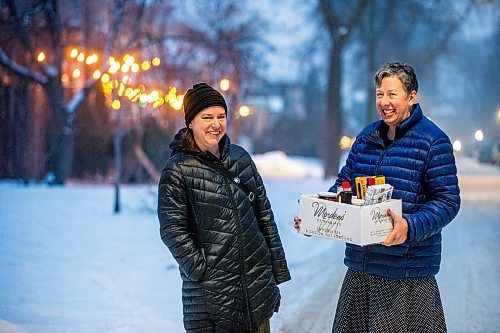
345,174
269,229
442,192
174,220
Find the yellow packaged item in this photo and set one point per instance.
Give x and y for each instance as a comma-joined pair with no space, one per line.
362,184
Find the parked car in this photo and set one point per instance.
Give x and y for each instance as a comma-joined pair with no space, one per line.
495,152
489,152
484,152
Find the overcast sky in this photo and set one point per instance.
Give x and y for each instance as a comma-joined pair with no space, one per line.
288,29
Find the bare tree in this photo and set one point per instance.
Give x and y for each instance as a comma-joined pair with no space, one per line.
222,39
36,24
221,43
415,32
341,18
110,27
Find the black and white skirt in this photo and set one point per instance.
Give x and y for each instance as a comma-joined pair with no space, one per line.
376,305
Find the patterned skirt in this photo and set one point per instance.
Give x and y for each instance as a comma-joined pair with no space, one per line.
369,304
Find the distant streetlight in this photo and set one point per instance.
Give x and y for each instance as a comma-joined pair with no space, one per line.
346,142
457,145
224,84
479,135
244,111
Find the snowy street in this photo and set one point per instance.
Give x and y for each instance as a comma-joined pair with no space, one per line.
68,264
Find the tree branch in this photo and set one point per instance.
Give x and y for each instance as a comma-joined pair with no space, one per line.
81,94
138,25
332,22
20,70
117,20
448,31
358,14
79,97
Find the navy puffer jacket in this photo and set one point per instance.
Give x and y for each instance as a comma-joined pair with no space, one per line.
230,260
419,163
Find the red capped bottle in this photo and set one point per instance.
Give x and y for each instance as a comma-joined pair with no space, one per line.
346,193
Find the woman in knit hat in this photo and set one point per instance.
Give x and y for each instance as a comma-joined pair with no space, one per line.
217,221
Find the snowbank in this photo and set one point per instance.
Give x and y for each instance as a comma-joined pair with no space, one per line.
276,164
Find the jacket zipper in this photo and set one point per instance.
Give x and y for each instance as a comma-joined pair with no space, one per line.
380,142
386,149
242,271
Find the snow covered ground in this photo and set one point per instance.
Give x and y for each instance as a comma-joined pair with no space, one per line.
68,264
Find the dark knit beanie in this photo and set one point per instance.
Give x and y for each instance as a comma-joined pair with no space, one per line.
200,97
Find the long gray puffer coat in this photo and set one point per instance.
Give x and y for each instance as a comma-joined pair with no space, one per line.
230,260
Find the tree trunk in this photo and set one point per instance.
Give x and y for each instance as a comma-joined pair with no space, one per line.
19,131
371,49
334,119
61,141
7,125
146,163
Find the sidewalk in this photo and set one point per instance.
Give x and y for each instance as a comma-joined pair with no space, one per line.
478,182
6,327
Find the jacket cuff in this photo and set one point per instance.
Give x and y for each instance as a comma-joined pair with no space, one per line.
282,277
411,228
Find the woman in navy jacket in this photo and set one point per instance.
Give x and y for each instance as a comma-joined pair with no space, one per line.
390,287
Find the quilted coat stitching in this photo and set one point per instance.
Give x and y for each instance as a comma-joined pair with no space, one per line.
217,296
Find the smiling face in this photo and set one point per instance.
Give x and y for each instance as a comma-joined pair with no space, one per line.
209,126
393,102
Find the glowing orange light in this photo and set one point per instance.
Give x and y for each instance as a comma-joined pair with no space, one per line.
125,68
244,111
97,74
224,84
126,79
145,65
73,53
105,78
128,59
116,104
76,73
346,142
91,59
121,89
40,57
156,61
115,67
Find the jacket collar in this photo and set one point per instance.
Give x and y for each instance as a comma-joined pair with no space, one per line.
381,127
176,146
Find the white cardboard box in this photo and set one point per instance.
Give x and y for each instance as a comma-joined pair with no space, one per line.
361,225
